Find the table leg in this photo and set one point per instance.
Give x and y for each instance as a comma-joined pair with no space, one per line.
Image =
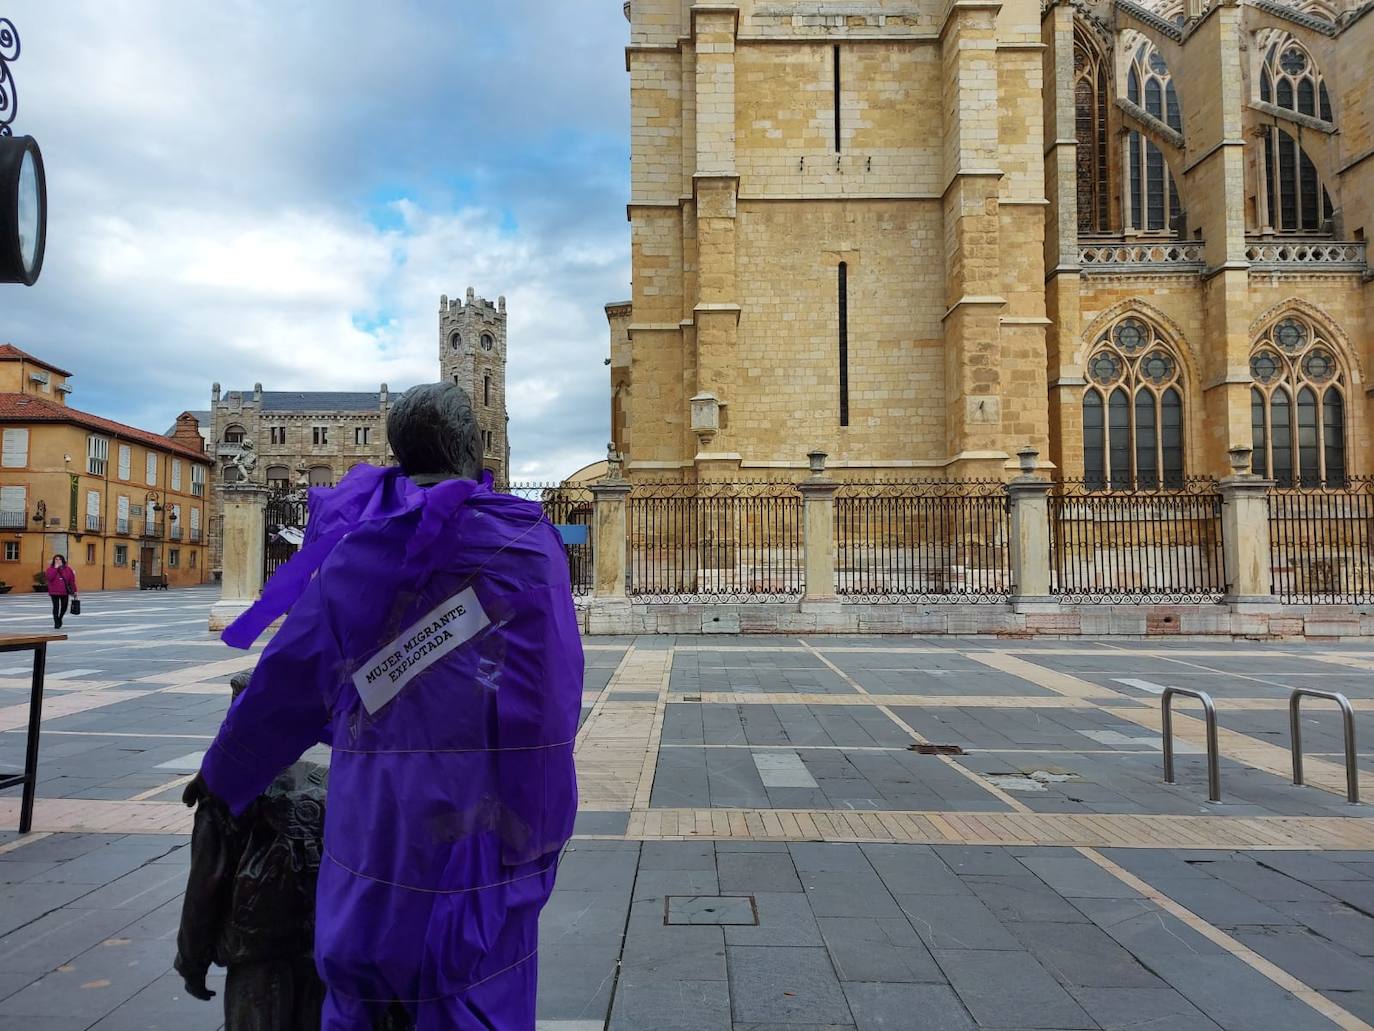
40,661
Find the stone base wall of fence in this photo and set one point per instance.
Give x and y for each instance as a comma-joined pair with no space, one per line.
1239,557
1004,620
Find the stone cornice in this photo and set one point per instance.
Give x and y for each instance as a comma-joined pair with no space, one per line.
1295,117
1148,18
967,7
1291,14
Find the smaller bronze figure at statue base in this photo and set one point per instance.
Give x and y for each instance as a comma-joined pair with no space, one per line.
250,900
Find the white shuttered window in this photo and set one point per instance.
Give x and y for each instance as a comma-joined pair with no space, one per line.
97,455
16,452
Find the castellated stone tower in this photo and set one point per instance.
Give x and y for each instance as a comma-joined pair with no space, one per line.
472,353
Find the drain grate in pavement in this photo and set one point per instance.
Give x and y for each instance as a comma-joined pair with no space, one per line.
733,910
930,748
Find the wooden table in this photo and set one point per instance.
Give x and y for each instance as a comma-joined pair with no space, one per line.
38,644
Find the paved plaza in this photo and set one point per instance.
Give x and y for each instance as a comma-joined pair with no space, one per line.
783,834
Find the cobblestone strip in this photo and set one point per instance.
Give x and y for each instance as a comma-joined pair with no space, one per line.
940,700
1260,833
88,816
958,701
1022,828
223,668
55,706
617,746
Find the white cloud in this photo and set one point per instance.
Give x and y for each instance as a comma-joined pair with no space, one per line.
258,193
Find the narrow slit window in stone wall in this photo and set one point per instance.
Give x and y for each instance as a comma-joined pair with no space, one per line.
837,98
844,343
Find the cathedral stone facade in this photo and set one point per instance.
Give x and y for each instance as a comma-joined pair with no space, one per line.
922,236
312,438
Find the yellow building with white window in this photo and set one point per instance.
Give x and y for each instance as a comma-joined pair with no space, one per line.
124,505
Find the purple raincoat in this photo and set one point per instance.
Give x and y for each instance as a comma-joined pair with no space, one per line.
437,652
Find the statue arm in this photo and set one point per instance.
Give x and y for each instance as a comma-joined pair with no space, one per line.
285,708
216,846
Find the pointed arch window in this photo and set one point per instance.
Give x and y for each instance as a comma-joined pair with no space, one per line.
1090,99
1296,200
1133,409
1297,405
1152,200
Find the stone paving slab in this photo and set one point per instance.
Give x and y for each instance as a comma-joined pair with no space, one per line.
885,883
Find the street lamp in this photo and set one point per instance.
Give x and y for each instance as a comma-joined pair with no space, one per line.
153,505
23,185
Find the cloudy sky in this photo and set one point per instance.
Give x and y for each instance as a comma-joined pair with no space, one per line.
280,191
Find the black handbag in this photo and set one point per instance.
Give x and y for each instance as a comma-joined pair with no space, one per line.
76,606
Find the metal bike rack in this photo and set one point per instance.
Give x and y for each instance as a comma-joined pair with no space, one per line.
1167,725
1352,772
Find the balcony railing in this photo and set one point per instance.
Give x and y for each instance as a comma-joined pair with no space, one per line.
122,527
1319,255
195,535
151,531
1142,256
13,520
174,534
93,523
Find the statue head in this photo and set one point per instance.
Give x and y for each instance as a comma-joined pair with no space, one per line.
433,432
239,682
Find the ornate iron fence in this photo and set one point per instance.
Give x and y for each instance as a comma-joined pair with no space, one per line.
1321,543
570,509
924,540
727,541
283,524
1156,545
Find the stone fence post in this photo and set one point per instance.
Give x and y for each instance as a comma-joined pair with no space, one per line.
1245,532
818,530
610,540
243,542
1028,499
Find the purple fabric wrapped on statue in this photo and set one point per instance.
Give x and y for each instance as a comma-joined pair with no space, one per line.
431,641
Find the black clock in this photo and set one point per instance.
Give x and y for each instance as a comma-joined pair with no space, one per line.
23,210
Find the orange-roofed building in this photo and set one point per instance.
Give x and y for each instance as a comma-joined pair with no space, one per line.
127,507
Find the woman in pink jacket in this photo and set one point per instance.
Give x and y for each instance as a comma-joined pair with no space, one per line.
61,587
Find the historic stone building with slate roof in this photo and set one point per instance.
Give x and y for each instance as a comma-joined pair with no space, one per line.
312,438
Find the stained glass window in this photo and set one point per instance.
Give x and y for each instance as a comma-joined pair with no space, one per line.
1154,199
1090,129
1133,409
1297,200
1297,405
